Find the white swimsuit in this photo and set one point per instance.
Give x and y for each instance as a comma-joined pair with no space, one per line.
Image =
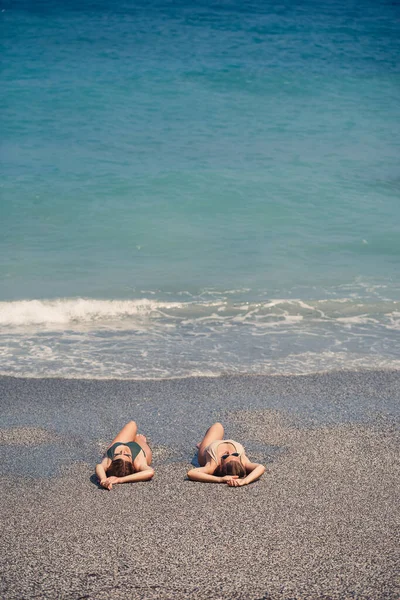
212,449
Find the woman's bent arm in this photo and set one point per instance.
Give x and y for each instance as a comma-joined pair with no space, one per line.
101,470
254,472
199,474
143,475
205,475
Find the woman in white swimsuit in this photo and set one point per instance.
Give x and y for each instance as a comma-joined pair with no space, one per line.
126,460
224,461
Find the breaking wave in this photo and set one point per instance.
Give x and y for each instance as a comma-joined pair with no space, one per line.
156,339
270,313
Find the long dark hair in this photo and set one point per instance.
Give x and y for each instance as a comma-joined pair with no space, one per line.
120,468
230,468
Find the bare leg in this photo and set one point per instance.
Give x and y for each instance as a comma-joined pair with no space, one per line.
215,432
127,433
142,441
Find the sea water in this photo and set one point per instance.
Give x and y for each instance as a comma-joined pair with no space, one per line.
199,187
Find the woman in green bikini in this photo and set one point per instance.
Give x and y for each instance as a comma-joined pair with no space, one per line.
127,460
224,461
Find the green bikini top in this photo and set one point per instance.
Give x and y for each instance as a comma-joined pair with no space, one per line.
133,447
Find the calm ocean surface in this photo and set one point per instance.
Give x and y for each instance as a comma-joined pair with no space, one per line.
199,188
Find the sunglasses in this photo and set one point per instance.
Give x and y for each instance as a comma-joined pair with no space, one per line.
224,456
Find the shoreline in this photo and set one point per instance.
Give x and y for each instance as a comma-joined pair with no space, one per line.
321,522
365,370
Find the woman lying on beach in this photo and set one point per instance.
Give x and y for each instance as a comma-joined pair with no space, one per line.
126,460
224,461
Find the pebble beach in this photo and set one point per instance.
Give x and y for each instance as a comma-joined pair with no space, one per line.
320,523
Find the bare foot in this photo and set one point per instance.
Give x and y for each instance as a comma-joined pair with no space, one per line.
141,437
198,445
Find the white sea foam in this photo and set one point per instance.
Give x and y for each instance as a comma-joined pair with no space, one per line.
356,320
153,339
69,310
305,363
393,320
138,312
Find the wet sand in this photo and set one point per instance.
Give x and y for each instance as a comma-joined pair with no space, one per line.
321,523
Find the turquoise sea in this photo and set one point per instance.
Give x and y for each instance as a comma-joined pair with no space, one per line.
199,188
